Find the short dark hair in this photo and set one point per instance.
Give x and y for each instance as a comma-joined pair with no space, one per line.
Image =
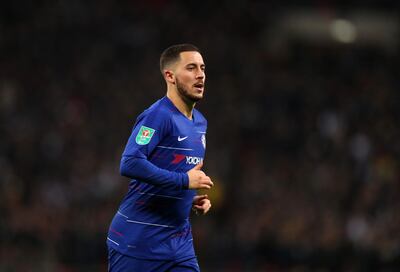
172,54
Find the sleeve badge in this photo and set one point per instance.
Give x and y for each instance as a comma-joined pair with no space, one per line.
144,135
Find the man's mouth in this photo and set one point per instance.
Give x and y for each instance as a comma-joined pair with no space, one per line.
199,86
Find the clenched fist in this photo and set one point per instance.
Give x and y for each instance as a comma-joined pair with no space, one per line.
198,179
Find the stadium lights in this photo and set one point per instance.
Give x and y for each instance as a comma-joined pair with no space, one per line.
343,31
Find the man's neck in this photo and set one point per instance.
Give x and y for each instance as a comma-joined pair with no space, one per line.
185,107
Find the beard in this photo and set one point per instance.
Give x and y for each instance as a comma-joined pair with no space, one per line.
185,94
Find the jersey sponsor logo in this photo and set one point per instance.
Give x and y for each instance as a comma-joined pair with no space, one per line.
144,135
193,160
180,139
189,159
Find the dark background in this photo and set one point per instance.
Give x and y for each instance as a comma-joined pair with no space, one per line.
303,139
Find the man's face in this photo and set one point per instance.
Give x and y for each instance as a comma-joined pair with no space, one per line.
190,76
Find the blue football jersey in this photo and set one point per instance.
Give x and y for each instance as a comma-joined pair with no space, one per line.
152,221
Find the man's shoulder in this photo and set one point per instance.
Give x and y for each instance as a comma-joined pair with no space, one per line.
159,108
158,113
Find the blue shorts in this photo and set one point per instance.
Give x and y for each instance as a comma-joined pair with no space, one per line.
118,262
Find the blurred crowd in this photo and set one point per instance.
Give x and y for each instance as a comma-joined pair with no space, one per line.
302,144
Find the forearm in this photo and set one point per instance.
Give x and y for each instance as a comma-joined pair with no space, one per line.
143,170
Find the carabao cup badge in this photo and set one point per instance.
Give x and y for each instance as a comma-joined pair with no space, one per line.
144,135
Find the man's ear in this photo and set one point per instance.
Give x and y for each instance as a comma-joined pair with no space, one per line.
169,76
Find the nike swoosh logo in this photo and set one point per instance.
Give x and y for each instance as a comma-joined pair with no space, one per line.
181,139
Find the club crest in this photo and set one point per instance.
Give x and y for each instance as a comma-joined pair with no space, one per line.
203,140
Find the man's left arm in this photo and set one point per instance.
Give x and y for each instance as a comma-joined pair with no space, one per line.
201,204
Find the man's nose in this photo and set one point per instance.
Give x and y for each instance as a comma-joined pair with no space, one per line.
200,74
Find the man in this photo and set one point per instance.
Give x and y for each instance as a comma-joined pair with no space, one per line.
163,157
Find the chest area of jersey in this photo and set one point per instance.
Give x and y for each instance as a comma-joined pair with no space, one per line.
184,145
188,140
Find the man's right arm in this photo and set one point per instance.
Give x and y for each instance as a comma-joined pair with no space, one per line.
138,167
135,163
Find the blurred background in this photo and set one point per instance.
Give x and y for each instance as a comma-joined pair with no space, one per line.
303,105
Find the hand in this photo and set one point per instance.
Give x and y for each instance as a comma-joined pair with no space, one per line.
198,179
201,204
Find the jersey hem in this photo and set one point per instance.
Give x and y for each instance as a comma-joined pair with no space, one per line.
180,259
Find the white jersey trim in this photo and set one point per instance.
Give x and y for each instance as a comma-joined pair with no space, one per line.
150,224
174,197
175,148
112,241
